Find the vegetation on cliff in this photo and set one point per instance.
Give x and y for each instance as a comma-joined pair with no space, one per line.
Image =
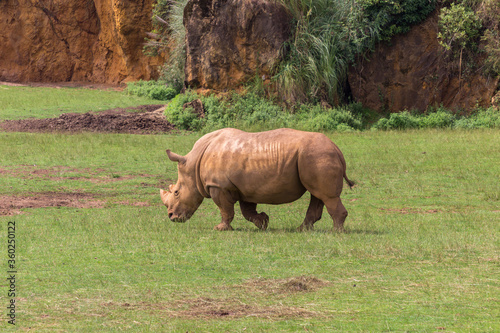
328,36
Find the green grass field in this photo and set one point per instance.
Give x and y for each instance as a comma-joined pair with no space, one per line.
421,251
26,102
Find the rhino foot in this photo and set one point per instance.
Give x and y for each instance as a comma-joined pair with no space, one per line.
262,221
305,227
339,229
223,227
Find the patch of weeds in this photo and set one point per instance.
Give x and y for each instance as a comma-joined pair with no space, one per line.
158,90
441,118
252,112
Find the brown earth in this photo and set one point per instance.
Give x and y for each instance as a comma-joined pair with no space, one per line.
145,119
230,42
231,308
414,72
97,41
59,173
11,204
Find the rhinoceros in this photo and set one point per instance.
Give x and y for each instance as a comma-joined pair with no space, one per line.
273,167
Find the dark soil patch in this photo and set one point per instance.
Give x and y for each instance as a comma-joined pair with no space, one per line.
11,205
211,308
60,173
144,119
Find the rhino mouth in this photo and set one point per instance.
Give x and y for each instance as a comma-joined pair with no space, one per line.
178,219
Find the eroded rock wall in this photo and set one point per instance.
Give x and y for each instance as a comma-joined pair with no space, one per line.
228,42
75,40
413,72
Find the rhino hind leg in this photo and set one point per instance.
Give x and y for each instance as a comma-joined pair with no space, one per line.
313,214
226,207
249,211
338,213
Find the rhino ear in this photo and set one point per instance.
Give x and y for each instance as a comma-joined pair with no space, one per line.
163,195
175,157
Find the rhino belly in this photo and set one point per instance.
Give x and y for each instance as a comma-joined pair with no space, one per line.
268,189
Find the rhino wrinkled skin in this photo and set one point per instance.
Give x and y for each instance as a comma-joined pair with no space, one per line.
272,167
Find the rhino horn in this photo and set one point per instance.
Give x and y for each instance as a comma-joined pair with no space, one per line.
163,195
175,157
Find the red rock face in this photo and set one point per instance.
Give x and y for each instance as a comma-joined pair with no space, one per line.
412,72
72,40
230,42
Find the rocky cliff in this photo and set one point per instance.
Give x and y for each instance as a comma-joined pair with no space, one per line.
75,40
412,71
230,42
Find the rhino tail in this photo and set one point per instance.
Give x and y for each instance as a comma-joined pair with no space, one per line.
350,182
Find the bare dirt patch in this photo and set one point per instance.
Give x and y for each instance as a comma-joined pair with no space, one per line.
59,173
11,205
284,286
238,307
410,211
144,119
212,308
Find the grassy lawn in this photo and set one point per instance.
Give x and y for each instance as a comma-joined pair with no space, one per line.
26,102
421,251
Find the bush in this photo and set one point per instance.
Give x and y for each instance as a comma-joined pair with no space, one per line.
254,113
459,27
152,89
316,118
401,121
183,118
439,119
483,118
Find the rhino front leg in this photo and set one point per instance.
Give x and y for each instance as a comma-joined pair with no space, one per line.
223,200
249,211
313,214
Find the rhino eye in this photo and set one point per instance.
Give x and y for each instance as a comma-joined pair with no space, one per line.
176,193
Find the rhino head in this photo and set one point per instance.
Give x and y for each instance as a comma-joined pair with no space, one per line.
183,198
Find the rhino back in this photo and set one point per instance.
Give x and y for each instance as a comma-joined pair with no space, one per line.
261,167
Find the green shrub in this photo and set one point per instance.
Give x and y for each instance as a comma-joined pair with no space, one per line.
483,118
396,16
254,113
459,27
183,118
438,119
152,89
315,118
403,120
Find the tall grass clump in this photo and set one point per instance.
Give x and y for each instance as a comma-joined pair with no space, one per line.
168,38
328,36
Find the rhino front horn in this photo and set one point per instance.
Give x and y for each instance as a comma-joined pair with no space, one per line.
163,195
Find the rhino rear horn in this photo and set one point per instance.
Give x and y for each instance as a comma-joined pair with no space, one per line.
175,157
